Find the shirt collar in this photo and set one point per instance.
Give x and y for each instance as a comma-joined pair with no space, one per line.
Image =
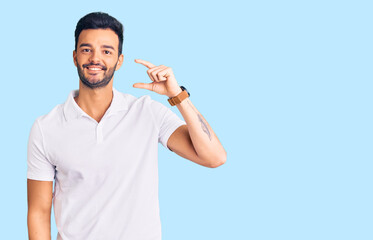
72,110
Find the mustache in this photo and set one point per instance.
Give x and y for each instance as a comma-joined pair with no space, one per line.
90,64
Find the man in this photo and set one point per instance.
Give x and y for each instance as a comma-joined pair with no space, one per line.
100,146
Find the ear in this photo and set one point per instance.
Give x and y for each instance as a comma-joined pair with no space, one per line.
74,58
120,62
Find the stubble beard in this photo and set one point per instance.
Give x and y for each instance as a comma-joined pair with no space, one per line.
108,75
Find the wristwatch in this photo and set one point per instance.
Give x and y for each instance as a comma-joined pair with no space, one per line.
179,98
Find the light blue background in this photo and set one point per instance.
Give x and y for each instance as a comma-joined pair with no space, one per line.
286,85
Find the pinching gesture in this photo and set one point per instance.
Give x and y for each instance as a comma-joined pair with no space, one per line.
163,79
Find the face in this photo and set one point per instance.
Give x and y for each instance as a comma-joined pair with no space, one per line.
96,57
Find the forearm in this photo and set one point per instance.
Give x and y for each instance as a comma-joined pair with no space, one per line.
205,142
39,226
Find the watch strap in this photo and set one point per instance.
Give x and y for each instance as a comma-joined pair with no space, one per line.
179,98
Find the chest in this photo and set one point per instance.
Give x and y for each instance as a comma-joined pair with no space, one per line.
89,152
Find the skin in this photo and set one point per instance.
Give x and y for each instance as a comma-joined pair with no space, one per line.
195,141
96,47
39,202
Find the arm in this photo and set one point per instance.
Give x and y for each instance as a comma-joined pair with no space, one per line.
39,201
196,141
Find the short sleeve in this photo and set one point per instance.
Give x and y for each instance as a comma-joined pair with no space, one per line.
166,120
38,166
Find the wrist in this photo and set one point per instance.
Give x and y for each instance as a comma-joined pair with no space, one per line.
175,93
178,98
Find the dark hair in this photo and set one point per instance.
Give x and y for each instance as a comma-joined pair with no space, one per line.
99,20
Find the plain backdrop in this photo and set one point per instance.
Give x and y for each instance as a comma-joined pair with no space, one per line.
286,86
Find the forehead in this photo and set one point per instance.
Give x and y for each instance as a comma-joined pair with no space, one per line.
99,37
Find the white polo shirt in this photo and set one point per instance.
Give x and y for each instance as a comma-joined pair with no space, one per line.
106,173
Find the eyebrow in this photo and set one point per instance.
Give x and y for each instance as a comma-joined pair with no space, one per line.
90,45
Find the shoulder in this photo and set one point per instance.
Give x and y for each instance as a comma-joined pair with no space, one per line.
142,101
50,120
53,115
131,100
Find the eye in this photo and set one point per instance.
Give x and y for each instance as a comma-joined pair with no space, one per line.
86,50
107,52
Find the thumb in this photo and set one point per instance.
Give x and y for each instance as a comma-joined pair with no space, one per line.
147,86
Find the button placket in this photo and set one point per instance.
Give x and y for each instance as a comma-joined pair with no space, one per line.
99,135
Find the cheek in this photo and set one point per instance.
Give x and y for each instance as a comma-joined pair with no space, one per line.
81,58
111,66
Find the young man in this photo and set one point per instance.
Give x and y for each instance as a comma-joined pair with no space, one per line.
100,146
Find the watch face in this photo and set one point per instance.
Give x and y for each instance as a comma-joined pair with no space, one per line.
183,88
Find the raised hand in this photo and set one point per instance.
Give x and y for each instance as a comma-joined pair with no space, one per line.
163,79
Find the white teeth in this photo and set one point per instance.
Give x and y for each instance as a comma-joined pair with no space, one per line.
94,68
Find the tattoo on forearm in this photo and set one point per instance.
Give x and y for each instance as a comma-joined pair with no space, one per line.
204,126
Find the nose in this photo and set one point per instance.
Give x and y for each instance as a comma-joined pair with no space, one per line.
95,57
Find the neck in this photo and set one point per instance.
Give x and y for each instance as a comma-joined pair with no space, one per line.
94,102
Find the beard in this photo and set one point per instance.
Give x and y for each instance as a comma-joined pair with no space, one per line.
90,81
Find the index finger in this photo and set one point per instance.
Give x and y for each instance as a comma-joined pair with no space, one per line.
145,63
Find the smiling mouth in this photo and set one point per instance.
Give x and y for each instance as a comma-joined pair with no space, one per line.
94,70
94,67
